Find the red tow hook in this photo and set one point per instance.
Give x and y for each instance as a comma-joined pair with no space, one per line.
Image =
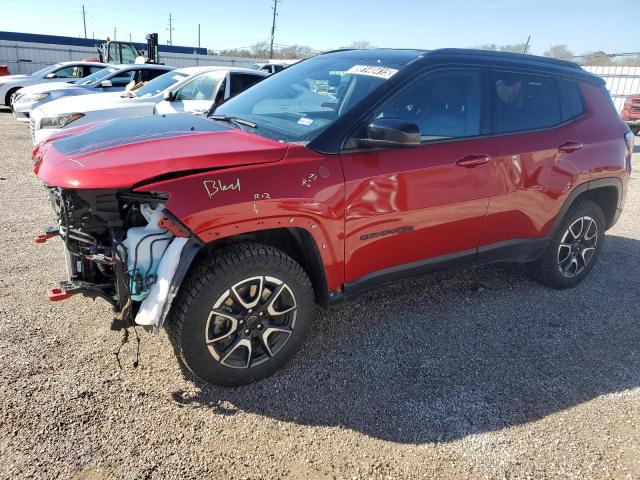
46,235
57,294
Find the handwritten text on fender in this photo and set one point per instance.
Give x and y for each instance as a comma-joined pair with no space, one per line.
215,186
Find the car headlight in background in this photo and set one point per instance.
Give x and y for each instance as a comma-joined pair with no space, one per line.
60,121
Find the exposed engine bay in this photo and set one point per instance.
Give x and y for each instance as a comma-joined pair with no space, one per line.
121,246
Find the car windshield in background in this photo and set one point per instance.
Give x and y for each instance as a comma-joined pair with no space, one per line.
303,100
45,70
97,76
159,84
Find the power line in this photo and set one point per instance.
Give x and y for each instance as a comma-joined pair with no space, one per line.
273,26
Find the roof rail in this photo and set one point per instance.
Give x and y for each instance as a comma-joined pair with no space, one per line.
338,50
514,56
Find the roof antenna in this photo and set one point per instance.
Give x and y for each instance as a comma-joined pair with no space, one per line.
526,45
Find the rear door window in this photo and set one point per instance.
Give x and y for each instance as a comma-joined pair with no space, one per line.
203,87
123,78
523,102
75,71
242,81
146,74
91,69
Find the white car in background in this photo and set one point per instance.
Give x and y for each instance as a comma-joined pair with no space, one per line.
114,78
193,90
60,72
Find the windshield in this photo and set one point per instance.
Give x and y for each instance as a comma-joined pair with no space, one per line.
297,104
159,84
97,76
45,70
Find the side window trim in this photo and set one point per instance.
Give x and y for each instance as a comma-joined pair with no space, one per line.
567,114
486,109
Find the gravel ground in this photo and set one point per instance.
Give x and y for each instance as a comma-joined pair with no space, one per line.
482,374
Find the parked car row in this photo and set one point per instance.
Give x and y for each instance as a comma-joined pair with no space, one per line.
43,98
60,72
193,90
340,173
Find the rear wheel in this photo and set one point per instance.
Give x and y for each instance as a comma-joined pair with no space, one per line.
573,249
241,315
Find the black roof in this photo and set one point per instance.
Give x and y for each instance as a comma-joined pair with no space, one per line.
490,57
397,56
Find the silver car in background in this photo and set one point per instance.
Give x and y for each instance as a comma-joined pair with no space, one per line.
58,73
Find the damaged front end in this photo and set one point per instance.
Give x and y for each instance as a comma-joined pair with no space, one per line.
124,247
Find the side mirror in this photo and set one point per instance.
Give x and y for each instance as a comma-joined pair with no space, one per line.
392,132
51,75
168,96
106,84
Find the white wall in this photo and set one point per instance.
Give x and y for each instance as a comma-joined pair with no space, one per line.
27,57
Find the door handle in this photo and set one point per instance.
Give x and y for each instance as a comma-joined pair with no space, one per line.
570,147
473,160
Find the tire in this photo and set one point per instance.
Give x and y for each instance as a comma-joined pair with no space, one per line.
565,266
7,100
226,347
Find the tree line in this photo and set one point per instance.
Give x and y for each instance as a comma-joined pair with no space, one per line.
284,52
562,52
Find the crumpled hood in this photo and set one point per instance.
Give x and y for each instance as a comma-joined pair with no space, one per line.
125,152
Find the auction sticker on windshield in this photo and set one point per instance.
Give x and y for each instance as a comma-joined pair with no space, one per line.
372,71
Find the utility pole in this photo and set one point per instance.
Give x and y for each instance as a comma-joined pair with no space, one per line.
130,38
115,33
171,29
273,27
198,35
84,21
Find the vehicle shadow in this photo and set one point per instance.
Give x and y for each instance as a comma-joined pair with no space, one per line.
440,359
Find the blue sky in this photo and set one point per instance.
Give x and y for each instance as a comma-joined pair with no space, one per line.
584,25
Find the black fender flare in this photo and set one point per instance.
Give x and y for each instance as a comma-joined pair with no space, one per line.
586,187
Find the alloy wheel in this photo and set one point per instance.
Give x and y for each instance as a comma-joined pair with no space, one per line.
251,321
577,246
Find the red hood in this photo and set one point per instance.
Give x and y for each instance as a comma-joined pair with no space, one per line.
125,152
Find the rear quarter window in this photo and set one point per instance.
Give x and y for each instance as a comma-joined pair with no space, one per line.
523,102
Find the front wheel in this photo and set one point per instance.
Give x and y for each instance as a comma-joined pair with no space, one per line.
241,315
573,248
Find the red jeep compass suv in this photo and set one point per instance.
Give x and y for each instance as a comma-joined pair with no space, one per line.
342,172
